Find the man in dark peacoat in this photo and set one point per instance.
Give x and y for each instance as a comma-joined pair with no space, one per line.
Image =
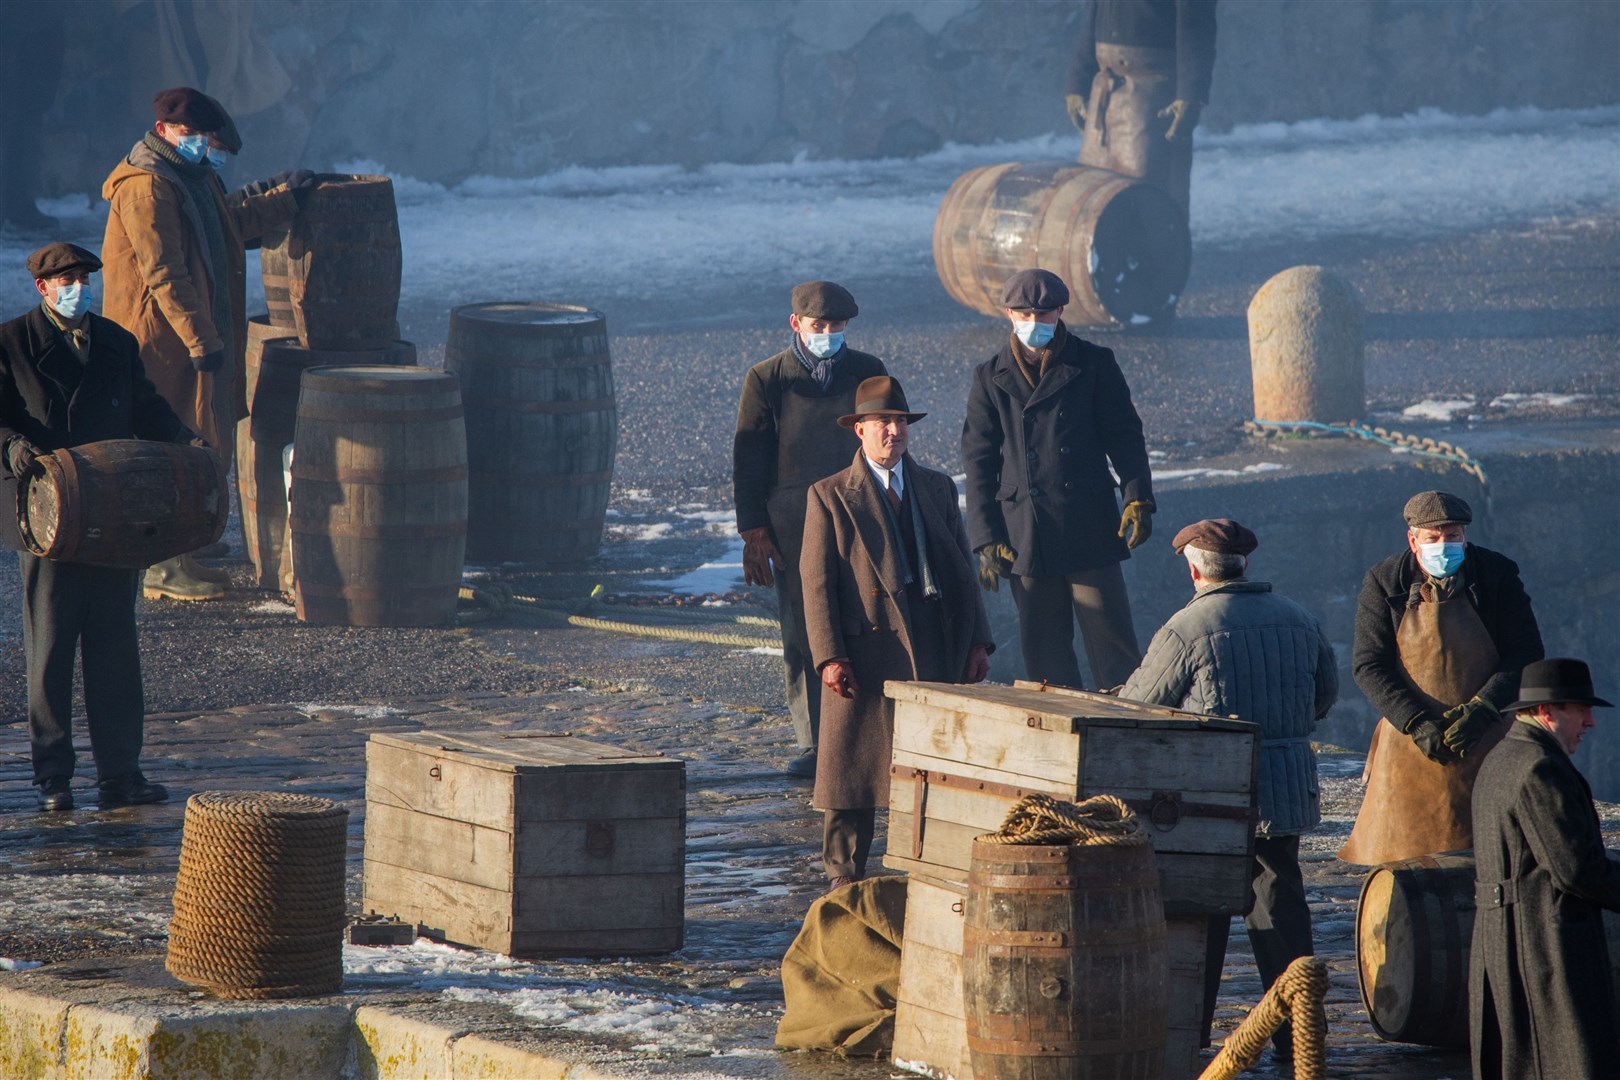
1540,988
785,442
888,594
1046,417
68,377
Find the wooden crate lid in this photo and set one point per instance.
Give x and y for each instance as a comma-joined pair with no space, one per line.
1055,708
522,751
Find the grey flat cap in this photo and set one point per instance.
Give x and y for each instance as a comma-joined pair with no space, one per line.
823,300
1431,509
1034,290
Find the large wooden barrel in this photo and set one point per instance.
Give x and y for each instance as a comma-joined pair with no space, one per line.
273,372
1119,243
332,277
543,430
379,496
1065,962
124,502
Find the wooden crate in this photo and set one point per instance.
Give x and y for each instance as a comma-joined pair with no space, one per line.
527,844
963,755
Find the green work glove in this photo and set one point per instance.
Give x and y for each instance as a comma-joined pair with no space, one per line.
1431,739
1075,106
995,563
1138,521
1183,117
1468,724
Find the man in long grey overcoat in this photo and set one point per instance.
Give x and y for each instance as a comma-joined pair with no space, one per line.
888,594
1539,984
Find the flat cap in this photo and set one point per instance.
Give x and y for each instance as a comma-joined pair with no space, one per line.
1430,509
59,257
1034,290
823,300
226,135
1216,534
193,108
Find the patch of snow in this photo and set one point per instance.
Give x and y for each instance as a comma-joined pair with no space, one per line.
359,712
1540,397
764,650
8,964
1188,474
657,530
1435,409
273,607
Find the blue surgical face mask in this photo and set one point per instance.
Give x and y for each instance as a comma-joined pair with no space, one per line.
1440,559
1034,334
217,158
192,147
823,345
72,300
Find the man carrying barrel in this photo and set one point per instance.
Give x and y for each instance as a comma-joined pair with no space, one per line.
176,278
1240,649
784,443
1046,417
68,377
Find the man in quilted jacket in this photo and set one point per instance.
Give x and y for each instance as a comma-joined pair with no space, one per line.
1239,649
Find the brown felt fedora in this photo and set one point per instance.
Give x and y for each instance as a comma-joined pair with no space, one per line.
881,395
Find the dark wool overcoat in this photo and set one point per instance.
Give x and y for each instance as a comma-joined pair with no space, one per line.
1185,26
51,400
1037,460
857,608
1542,999
1496,593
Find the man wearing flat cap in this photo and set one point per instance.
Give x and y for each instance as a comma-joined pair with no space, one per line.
176,278
786,440
1540,987
1442,631
1046,417
69,377
888,594
1240,649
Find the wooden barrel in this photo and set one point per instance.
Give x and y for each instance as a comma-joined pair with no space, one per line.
124,502
1065,962
332,276
1121,245
1414,935
538,384
273,371
379,497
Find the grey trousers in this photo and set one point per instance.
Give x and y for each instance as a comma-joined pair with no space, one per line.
799,675
1047,610
846,841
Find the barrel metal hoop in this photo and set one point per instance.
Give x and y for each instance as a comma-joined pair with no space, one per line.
363,592
344,475
366,416
398,531
1054,939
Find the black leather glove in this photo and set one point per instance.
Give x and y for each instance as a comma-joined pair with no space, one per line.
1468,724
995,563
1431,739
209,361
22,457
302,183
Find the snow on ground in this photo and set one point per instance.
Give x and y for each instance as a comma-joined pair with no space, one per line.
1442,410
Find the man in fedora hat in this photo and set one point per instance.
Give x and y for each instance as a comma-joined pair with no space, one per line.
782,446
177,277
1240,649
888,594
1046,418
1539,979
70,377
1442,630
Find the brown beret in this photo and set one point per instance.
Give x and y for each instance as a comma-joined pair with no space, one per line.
193,108
60,257
823,300
1430,509
1222,535
1034,290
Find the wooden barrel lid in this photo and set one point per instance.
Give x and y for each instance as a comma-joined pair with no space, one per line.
1384,953
522,313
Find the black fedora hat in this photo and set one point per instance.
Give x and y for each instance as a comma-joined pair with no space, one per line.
1556,681
881,395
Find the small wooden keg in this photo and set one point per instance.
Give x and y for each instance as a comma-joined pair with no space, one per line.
1120,244
379,499
1065,962
538,383
124,502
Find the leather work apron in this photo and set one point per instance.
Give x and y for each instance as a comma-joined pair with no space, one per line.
1124,133
1413,806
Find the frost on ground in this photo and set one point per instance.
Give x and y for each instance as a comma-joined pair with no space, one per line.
1442,410
1200,473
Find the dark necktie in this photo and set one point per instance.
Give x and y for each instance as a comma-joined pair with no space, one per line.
894,498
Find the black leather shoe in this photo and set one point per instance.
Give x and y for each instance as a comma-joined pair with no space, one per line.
133,790
803,766
55,794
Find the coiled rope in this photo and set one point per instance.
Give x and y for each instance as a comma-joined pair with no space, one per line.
1296,996
495,599
1041,819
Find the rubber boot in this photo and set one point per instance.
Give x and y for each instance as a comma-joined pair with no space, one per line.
169,580
205,573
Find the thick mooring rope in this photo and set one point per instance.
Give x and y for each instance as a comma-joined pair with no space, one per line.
1041,819
258,902
1297,995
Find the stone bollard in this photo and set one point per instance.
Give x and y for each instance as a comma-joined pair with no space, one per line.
1307,347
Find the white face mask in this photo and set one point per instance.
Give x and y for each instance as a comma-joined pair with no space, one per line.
1034,334
72,300
823,345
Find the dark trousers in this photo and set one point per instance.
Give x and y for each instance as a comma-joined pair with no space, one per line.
799,675
1047,610
72,610
846,841
1279,925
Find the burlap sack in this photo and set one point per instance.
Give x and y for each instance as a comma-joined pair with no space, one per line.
842,972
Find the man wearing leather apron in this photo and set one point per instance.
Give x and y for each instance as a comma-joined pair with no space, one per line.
1442,632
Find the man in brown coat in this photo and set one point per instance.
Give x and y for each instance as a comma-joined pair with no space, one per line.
176,278
889,593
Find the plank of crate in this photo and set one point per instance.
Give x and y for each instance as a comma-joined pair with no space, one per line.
989,742
1195,763
520,749
454,911
617,942
930,1043
596,902
934,914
